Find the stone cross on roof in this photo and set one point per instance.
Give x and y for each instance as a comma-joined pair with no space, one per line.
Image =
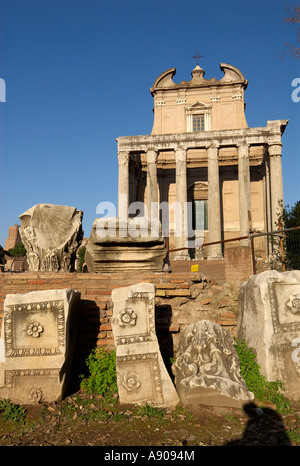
196,57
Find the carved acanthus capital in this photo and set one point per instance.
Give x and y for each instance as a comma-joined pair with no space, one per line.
151,156
213,151
243,150
123,157
275,149
180,154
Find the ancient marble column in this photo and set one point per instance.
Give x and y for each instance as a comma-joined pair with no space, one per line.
123,186
214,210
244,190
276,183
152,187
181,204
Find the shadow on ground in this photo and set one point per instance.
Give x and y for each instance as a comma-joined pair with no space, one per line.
265,427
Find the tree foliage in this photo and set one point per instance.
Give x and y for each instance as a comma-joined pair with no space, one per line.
291,218
2,255
291,215
294,19
17,251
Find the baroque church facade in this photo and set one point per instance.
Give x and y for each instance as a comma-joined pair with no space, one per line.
202,157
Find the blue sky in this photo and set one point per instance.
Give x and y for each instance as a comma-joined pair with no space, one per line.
78,74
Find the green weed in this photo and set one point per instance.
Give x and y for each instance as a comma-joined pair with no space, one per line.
102,379
294,435
150,411
256,382
12,412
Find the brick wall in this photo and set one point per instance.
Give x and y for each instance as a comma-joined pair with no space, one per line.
181,298
238,263
175,291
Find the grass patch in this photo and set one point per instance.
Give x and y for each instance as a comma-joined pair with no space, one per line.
257,383
12,412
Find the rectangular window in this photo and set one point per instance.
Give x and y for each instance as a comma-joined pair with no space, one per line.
198,123
200,217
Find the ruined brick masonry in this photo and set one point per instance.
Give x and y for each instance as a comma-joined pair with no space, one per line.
181,298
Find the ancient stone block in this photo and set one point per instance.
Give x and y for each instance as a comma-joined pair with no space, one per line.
37,342
269,322
122,245
141,373
207,369
51,235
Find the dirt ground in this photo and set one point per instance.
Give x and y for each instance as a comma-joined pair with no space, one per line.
85,420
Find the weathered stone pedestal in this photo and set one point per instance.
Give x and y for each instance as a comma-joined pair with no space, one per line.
117,245
141,373
269,322
37,343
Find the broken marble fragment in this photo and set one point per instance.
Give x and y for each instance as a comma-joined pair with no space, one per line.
37,344
207,369
51,235
141,374
269,322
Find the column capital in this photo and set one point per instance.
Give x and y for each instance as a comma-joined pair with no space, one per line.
123,157
180,154
151,156
213,151
275,149
213,145
243,150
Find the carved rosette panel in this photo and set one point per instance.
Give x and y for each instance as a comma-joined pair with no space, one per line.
128,318
285,305
293,304
132,378
26,335
285,315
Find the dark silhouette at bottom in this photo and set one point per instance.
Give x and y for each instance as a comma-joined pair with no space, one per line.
264,428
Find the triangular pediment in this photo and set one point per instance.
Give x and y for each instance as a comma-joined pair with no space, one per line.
197,106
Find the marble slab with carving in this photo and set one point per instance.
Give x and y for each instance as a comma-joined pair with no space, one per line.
269,322
37,344
122,245
51,235
141,374
207,368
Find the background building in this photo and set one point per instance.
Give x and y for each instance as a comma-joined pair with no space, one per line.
202,154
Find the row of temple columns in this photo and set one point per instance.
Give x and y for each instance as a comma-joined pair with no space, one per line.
214,204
